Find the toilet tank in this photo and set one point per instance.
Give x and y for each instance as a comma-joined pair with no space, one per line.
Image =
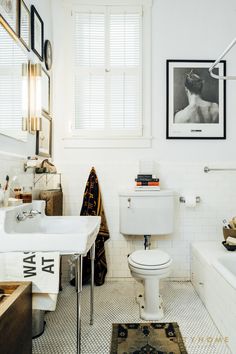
146,213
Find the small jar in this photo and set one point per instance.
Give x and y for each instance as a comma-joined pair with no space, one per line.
27,195
17,193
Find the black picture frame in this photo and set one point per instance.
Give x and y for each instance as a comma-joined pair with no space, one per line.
44,137
37,33
9,13
24,28
186,116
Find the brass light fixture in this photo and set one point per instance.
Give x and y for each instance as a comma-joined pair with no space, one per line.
25,96
33,121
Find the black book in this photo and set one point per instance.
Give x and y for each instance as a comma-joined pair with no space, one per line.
144,176
146,179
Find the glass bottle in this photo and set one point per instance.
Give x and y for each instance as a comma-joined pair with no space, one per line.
27,194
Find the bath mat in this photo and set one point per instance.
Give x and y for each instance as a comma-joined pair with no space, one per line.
153,338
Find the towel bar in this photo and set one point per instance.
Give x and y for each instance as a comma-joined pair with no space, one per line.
208,169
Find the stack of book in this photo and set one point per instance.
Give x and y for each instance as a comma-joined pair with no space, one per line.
147,183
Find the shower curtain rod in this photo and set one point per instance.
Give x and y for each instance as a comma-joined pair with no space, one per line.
219,77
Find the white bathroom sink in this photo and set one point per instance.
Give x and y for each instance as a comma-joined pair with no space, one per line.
64,234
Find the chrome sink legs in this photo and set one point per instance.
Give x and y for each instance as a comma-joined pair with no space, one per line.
92,257
78,277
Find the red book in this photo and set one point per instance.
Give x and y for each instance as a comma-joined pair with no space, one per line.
147,183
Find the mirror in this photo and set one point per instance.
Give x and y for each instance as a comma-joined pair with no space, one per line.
13,85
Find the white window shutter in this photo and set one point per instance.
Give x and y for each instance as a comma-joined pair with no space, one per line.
124,102
89,38
125,39
89,104
107,49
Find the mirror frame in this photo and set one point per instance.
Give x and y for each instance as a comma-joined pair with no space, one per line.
9,29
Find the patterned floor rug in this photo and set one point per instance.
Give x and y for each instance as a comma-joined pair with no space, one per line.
147,338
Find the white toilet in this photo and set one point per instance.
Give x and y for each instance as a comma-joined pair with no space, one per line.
148,213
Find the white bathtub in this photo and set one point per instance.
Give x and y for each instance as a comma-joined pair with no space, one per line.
226,266
213,274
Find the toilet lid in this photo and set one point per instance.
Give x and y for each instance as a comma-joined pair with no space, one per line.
150,257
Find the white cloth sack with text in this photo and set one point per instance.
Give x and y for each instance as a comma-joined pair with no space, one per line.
41,268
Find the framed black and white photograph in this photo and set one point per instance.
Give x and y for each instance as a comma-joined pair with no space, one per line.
46,90
196,107
24,24
44,136
9,12
37,33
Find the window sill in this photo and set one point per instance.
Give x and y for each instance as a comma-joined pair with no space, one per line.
116,143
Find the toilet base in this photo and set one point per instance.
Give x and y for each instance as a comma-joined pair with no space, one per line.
151,308
149,315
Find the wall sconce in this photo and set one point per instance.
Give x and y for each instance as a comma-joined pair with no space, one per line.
32,121
25,95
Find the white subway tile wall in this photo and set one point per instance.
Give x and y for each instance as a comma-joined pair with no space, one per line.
10,165
204,222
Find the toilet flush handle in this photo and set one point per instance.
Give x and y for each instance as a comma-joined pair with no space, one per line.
129,202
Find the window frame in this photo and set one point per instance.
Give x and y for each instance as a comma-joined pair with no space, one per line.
88,138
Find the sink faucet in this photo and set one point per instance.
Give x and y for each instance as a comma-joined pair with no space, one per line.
34,212
27,214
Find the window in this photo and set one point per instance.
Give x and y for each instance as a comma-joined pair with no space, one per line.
111,49
13,86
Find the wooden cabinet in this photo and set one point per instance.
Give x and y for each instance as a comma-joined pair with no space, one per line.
16,318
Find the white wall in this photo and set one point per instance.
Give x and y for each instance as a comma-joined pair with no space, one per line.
183,29
13,152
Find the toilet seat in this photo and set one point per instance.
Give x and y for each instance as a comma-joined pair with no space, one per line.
149,259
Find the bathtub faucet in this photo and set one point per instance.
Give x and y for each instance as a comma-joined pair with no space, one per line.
27,214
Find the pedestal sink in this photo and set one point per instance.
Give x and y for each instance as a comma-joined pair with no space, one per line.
26,228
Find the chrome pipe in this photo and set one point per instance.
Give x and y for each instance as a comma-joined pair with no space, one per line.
219,77
147,242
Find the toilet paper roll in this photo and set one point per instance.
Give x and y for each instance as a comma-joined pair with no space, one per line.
190,201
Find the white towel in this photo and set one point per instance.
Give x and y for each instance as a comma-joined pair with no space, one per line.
231,240
41,268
